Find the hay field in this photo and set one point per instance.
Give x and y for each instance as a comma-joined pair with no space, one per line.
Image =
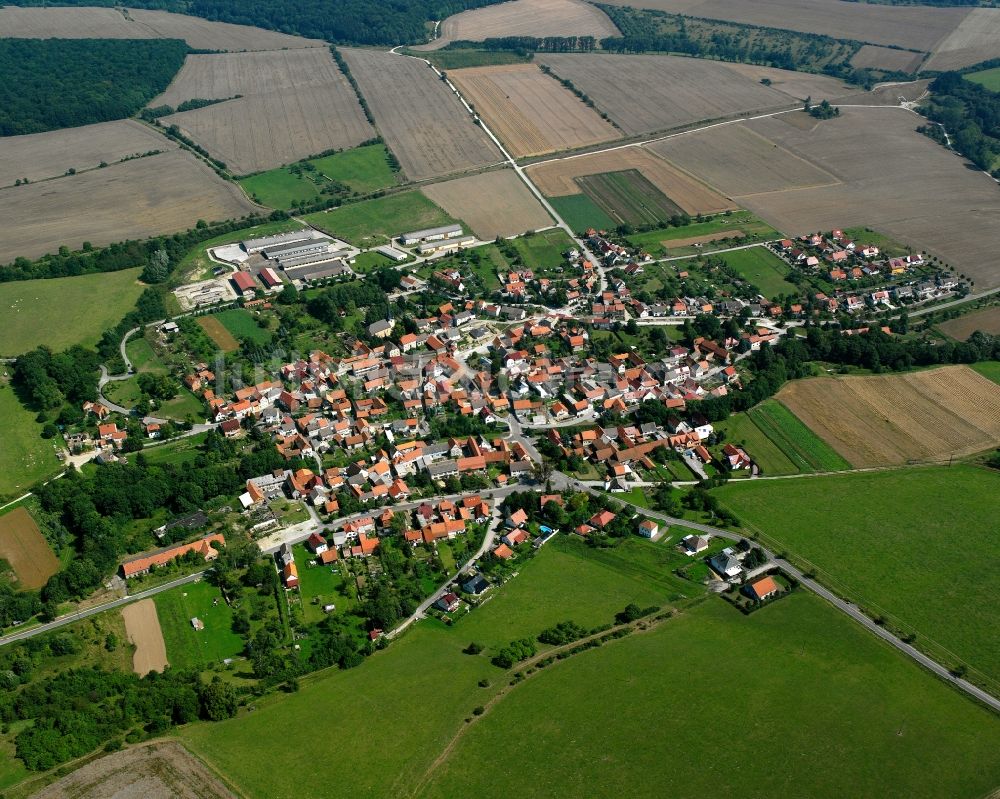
558,178
891,179
161,194
423,122
492,204
977,38
741,161
295,103
874,57
24,547
530,111
161,770
218,333
987,320
647,93
143,628
109,23
525,18
48,155
894,419
916,27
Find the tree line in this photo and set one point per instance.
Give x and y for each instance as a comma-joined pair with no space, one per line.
971,115
62,83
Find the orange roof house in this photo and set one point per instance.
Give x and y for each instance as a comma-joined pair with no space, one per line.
503,552
763,588
143,564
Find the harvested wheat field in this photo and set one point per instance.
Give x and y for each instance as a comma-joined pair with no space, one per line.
110,23
143,628
891,179
422,120
976,39
796,85
893,419
873,57
492,204
741,161
916,27
218,333
558,178
987,320
47,155
24,547
294,103
159,770
525,18
164,193
530,111
646,93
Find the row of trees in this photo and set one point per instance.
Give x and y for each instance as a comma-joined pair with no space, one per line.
62,83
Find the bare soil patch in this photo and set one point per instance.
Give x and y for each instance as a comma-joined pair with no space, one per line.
892,179
976,39
874,57
160,770
24,547
143,628
525,18
918,27
492,204
530,111
423,122
218,333
894,419
161,194
110,23
741,161
557,178
294,103
647,93
705,239
987,320
48,155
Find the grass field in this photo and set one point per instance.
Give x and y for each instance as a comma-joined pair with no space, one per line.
463,59
912,544
242,325
417,693
629,198
658,242
64,311
25,457
795,695
177,451
544,251
127,394
23,546
990,369
762,268
374,222
807,451
987,78
324,583
144,359
581,213
187,647
363,170
741,429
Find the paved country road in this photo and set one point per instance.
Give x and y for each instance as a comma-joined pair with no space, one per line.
69,618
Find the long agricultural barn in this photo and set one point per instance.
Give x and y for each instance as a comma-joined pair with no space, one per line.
256,245
313,258
431,234
244,282
444,246
298,248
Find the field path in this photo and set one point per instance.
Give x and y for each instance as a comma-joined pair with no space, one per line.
143,628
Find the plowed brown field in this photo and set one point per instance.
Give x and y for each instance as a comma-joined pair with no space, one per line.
143,628
24,547
556,178
492,204
895,419
977,38
218,333
530,111
986,320
526,18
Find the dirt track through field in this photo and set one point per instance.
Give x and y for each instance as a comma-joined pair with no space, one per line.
24,547
143,628
894,419
158,770
557,178
530,111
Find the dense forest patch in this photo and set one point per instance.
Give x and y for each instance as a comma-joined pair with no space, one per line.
63,83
